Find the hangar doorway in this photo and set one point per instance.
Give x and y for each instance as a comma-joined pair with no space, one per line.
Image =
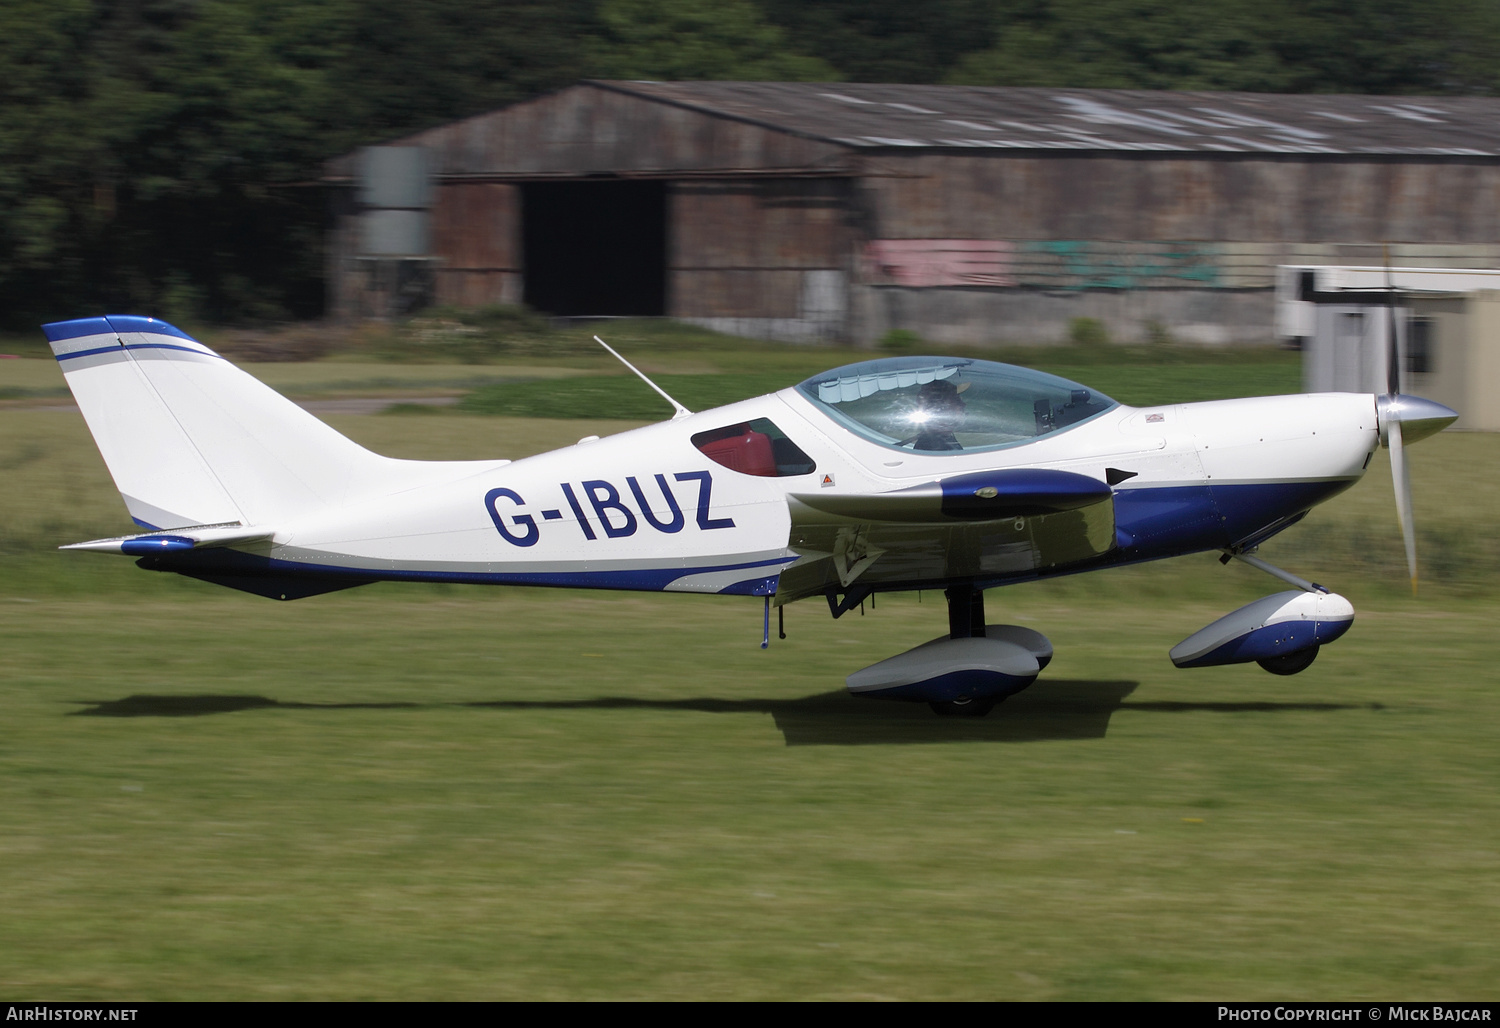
595,248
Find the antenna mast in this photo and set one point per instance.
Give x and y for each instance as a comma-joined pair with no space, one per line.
682,411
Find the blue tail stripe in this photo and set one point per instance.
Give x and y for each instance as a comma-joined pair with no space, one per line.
136,346
112,324
57,331
123,323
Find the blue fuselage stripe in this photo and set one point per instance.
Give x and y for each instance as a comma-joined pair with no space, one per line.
226,561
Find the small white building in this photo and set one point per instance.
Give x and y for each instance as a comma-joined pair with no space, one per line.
1455,355
1447,333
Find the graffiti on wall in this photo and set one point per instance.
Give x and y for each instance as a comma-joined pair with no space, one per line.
1047,264
939,262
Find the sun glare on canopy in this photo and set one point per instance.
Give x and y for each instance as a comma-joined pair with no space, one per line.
937,405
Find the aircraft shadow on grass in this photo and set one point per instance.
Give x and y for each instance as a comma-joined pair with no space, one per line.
1061,709
1064,710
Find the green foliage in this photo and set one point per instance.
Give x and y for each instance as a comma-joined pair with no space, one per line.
887,40
900,340
1121,44
466,336
1087,332
148,148
402,66
697,39
497,317
1289,46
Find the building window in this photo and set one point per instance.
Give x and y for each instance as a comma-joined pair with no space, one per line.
1419,346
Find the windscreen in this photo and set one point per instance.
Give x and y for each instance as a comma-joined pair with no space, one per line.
951,405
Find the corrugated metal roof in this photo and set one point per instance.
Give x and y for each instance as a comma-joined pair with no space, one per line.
868,116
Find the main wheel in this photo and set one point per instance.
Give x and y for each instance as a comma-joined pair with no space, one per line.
1290,663
967,707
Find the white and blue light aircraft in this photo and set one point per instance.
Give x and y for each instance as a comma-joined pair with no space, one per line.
899,473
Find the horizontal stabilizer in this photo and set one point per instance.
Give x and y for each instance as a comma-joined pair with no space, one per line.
176,540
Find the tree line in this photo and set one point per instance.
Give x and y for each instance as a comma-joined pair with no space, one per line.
161,156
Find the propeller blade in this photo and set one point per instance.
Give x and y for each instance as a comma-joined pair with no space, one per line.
1401,479
1392,351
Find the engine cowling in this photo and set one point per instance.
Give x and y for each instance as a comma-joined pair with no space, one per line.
1271,628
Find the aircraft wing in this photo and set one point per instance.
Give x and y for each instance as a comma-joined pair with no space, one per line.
969,526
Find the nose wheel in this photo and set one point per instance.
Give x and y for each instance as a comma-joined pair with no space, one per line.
1290,663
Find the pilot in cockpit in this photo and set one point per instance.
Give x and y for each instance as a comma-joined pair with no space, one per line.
940,412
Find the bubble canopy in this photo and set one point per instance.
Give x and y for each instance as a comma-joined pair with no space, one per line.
949,404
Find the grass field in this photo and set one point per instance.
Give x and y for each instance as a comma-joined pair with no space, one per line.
423,792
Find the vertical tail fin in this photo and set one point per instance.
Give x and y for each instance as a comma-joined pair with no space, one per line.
192,440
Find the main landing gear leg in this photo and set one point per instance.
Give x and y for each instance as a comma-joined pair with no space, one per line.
965,620
965,611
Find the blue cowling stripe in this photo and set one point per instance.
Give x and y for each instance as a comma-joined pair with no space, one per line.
1027,492
1169,520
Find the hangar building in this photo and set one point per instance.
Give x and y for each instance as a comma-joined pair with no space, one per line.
815,211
